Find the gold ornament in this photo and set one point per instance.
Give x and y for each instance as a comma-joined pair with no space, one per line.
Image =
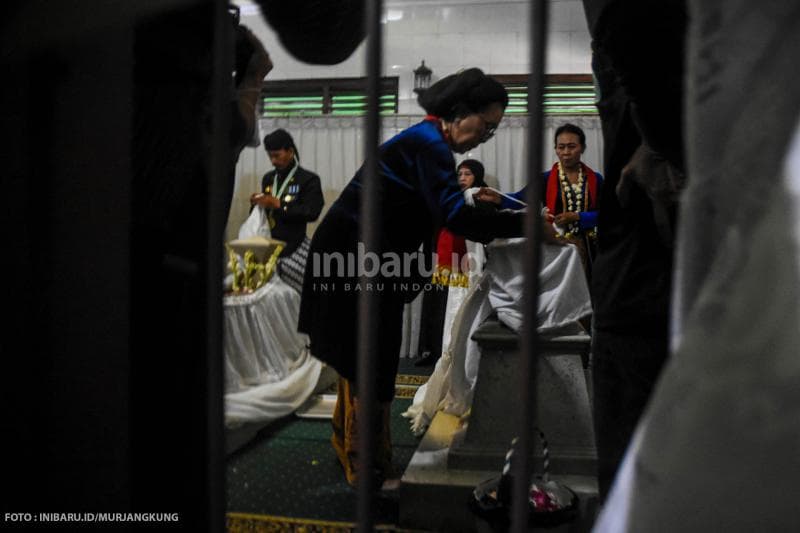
256,273
234,266
250,268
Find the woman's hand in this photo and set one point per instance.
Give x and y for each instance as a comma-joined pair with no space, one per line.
485,194
567,217
550,235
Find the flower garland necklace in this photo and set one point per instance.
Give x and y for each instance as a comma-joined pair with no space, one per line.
571,197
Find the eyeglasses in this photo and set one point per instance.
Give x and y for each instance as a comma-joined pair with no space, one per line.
489,129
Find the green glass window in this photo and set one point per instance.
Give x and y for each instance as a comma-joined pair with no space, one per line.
564,94
338,96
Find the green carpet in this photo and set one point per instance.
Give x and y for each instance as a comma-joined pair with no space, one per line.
289,479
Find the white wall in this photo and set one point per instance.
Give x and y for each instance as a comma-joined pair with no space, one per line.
448,35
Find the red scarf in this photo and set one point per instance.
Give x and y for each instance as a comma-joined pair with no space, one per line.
446,245
437,122
554,187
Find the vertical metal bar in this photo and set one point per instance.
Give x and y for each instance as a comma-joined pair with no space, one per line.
219,174
530,338
368,300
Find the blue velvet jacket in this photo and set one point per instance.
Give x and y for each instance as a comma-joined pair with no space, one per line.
420,194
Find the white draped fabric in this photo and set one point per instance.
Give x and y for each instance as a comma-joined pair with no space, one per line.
268,370
564,298
333,147
450,386
563,292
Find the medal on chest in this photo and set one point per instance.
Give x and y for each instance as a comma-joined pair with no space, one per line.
287,186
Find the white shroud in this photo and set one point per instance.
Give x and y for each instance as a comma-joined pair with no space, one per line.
564,298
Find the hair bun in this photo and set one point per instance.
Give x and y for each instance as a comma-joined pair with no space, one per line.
467,91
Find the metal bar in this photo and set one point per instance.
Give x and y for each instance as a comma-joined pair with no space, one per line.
530,339
368,300
216,214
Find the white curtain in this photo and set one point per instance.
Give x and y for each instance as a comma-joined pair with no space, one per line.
333,147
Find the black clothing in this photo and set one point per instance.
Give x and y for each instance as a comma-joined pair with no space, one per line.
419,192
640,90
329,308
638,63
625,370
434,311
119,315
301,203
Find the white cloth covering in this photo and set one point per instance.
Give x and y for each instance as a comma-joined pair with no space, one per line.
268,370
564,298
563,292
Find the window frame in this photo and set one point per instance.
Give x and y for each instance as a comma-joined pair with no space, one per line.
327,89
579,81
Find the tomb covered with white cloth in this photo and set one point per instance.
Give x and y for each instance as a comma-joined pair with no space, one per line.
563,300
467,403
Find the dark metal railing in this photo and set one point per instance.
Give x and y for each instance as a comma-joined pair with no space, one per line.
367,304
529,343
215,217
